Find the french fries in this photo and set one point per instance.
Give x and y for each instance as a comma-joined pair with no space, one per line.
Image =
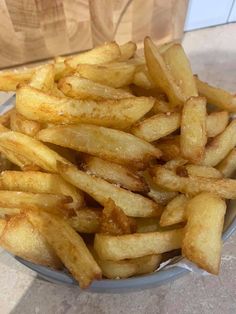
82,88
40,182
142,78
202,171
43,78
113,145
114,173
87,220
170,147
4,211
216,96
132,204
135,245
9,81
228,165
20,124
38,106
5,118
216,123
167,179
127,51
18,236
68,245
157,126
220,146
193,136
147,225
202,239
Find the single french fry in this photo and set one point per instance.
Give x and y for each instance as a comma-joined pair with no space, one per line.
135,245
20,124
121,113
102,54
127,51
29,149
175,211
170,147
193,129
68,245
61,68
216,96
114,173
43,78
162,106
202,171
228,165
113,145
175,164
40,182
216,122
220,146
202,240
115,74
87,220
9,80
21,239
81,88
142,78
144,225
157,126
134,205
167,179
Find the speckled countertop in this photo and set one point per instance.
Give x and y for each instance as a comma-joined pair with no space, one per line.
213,56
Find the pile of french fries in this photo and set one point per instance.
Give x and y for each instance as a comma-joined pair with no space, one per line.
109,160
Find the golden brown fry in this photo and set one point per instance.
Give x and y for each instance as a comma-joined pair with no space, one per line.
202,240
113,145
102,54
170,147
216,96
5,164
228,165
9,80
115,74
127,51
21,239
202,171
87,220
4,211
167,179
121,113
216,122
162,106
220,146
43,78
40,182
132,204
114,221
20,124
61,68
157,126
193,129
175,211
5,118
135,245
175,164
114,173
142,78
68,245
81,88
147,225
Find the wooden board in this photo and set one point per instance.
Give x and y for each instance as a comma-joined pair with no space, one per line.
32,30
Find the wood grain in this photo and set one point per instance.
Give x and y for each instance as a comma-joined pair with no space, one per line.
33,30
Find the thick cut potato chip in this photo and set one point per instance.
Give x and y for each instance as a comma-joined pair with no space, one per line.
115,74
10,80
29,149
175,211
21,239
113,145
87,220
170,147
20,124
135,245
167,179
127,50
43,78
228,165
81,88
216,122
202,239
114,173
132,204
193,129
157,126
130,267
68,245
102,54
220,146
121,113
114,221
40,182
216,96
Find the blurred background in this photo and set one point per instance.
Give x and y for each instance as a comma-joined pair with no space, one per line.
34,30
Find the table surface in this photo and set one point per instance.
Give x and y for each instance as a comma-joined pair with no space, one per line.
213,56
